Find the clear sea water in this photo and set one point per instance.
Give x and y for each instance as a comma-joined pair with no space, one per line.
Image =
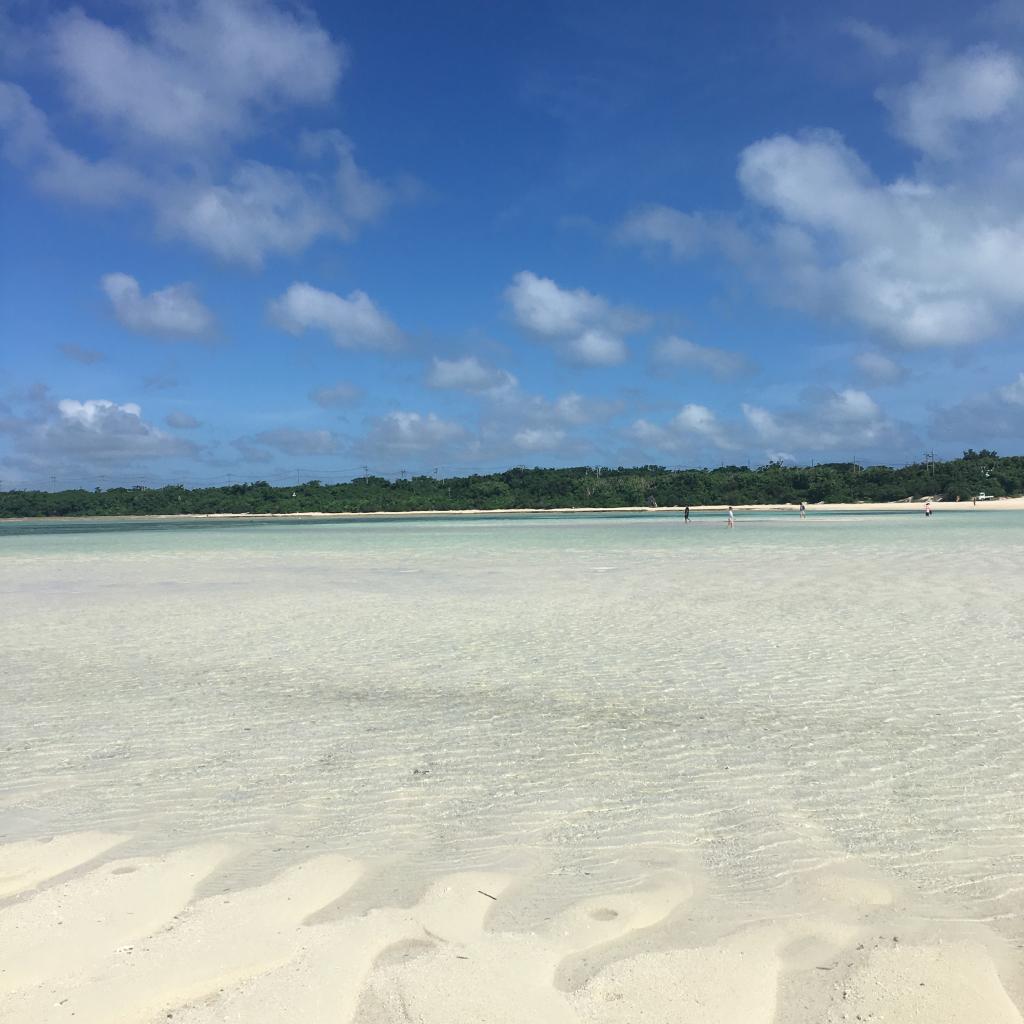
591,696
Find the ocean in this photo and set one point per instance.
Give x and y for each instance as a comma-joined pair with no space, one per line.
585,700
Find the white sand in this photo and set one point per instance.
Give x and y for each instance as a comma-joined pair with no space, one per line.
129,942
515,773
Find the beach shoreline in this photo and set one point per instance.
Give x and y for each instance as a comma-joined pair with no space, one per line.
906,505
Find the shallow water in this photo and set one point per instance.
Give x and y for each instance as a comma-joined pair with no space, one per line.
595,697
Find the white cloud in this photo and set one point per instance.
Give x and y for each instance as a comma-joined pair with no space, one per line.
340,394
652,434
926,265
353,322
263,209
198,76
576,410
588,329
828,420
691,426
674,351
538,439
200,72
597,347
879,368
977,86
543,307
934,258
682,233
174,310
469,374
515,410
408,433
99,430
28,142
700,420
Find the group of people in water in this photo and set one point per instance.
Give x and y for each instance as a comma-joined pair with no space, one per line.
730,520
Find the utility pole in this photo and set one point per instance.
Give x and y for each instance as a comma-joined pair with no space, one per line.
366,472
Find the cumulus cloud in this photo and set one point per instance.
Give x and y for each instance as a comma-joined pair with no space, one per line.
196,77
674,351
181,420
879,369
597,347
171,311
100,431
587,328
469,374
926,265
514,412
27,141
195,73
340,394
980,85
575,409
658,225
538,439
261,209
933,258
699,420
352,322
408,433
691,427
848,421
828,420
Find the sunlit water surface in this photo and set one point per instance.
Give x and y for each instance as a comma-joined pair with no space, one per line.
591,696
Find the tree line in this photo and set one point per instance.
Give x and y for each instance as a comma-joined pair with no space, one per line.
577,487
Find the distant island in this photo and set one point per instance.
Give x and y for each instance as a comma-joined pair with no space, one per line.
975,473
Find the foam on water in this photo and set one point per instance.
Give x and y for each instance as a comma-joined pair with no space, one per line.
595,697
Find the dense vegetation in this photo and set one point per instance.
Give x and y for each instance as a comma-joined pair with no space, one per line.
974,473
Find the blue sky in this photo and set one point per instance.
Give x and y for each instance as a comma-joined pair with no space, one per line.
271,240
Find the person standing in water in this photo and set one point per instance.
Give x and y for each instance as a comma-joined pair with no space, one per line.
686,514
803,510
731,521
928,508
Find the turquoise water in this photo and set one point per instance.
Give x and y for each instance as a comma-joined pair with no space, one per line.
591,694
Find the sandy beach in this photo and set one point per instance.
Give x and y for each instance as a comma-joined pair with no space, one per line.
514,772
989,505
92,935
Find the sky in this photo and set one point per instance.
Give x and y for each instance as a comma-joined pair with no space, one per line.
284,241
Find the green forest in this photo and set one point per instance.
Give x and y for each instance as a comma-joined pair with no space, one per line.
982,472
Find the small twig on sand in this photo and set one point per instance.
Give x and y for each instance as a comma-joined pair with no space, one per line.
487,894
